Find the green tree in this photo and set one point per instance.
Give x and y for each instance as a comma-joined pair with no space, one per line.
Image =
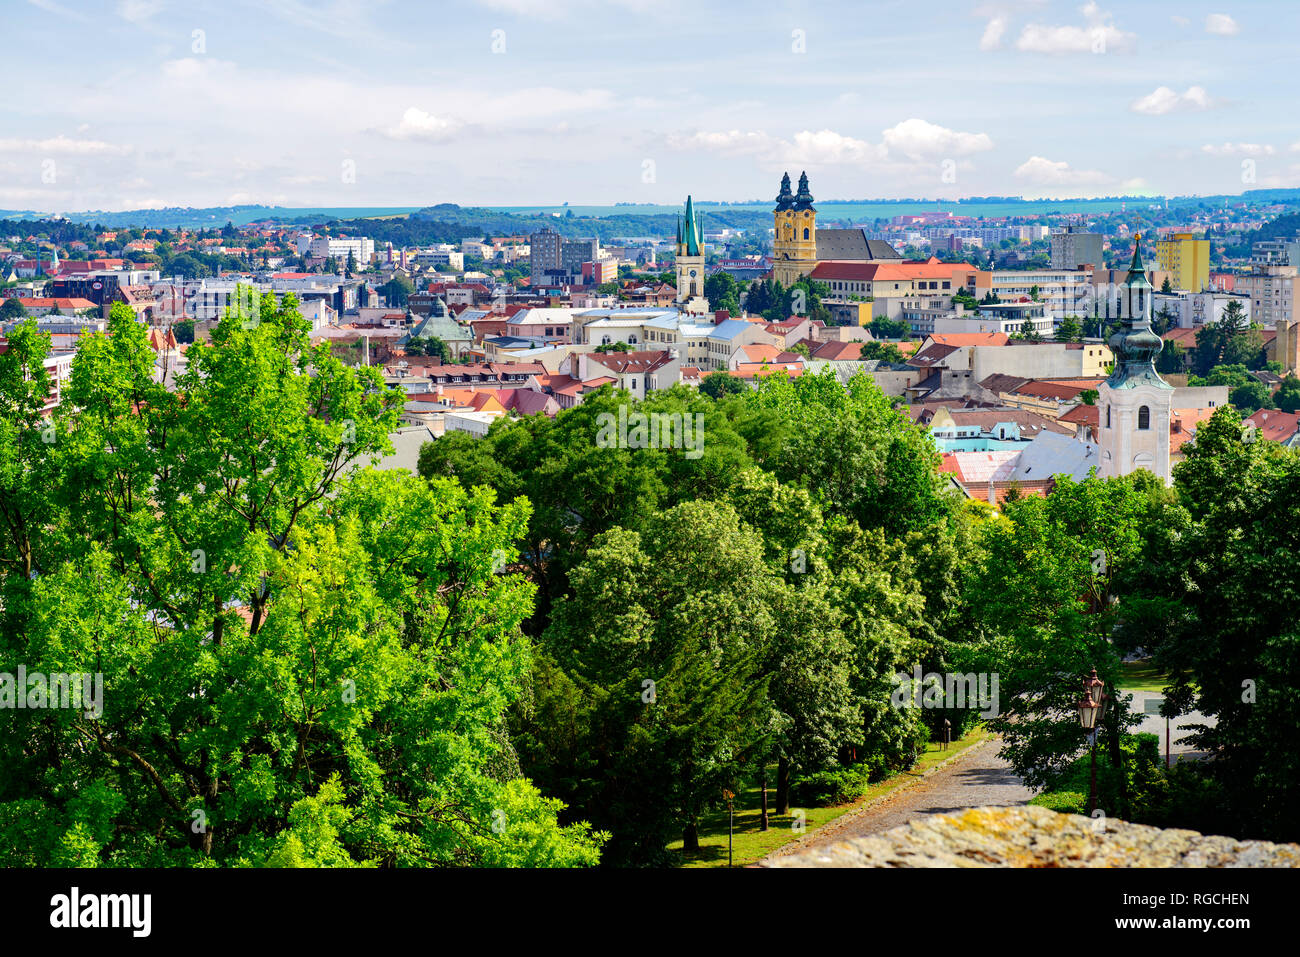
1251,397
1227,632
397,290
11,309
1288,395
723,292
304,661
1069,330
660,643
720,383
1044,599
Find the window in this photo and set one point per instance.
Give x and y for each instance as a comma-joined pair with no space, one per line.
1108,417
1144,418
805,233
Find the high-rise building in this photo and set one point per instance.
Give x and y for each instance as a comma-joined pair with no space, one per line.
1072,249
544,257
1135,405
1186,258
1274,293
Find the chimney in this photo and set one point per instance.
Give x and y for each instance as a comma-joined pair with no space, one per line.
722,315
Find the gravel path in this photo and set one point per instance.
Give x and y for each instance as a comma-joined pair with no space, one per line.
977,777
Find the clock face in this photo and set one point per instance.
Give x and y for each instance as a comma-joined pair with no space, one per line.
692,273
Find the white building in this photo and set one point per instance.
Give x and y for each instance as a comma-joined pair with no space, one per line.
325,247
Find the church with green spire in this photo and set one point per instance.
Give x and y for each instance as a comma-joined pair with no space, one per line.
1134,404
690,262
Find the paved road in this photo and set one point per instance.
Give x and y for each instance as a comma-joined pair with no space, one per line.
1179,727
976,778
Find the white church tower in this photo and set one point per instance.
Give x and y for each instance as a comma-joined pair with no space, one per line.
1135,403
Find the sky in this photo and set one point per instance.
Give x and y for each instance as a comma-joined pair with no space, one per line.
125,104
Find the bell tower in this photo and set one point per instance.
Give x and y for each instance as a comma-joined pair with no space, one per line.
690,263
795,244
1135,404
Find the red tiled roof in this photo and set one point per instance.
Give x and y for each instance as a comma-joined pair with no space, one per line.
1274,424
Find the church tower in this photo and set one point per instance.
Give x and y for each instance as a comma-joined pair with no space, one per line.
1135,404
690,263
795,246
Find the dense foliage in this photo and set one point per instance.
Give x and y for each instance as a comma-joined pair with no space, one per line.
303,661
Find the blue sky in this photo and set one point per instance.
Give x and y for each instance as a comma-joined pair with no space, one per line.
118,105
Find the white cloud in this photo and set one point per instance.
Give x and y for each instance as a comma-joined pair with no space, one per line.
1098,35
807,148
918,139
1180,21
63,145
417,124
1040,171
828,148
904,145
993,31
1222,25
731,142
1238,149
138,11
1165,100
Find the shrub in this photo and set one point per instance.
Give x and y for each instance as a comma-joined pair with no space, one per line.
1063,802
833,787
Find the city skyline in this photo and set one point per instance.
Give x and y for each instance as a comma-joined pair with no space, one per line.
157,104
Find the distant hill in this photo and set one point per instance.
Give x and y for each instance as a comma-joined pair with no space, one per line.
448,222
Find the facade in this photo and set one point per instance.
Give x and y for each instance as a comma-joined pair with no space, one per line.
1193,309
795,245
1273,292
544,255
1276,252
1072,249
1135,404
1065,292
1187,260
324,247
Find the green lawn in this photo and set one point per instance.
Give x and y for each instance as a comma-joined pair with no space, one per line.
751,844
1142,676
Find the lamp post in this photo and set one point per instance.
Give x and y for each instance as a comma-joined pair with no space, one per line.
731,824
1092,707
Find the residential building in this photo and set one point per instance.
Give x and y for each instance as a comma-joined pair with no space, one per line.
361,249
1186,257
1274,293
1072,249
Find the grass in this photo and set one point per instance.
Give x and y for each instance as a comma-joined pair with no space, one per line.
751,844
1142,676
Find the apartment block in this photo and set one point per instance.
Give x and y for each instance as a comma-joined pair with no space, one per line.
1186,258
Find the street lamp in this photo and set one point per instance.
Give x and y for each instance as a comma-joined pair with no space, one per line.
731,824
1092,708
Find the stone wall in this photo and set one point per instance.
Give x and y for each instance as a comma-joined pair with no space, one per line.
1036,837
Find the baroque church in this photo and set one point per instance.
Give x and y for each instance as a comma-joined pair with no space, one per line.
1135,404
799,245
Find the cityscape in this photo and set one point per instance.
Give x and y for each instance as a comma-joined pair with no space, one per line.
772,439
